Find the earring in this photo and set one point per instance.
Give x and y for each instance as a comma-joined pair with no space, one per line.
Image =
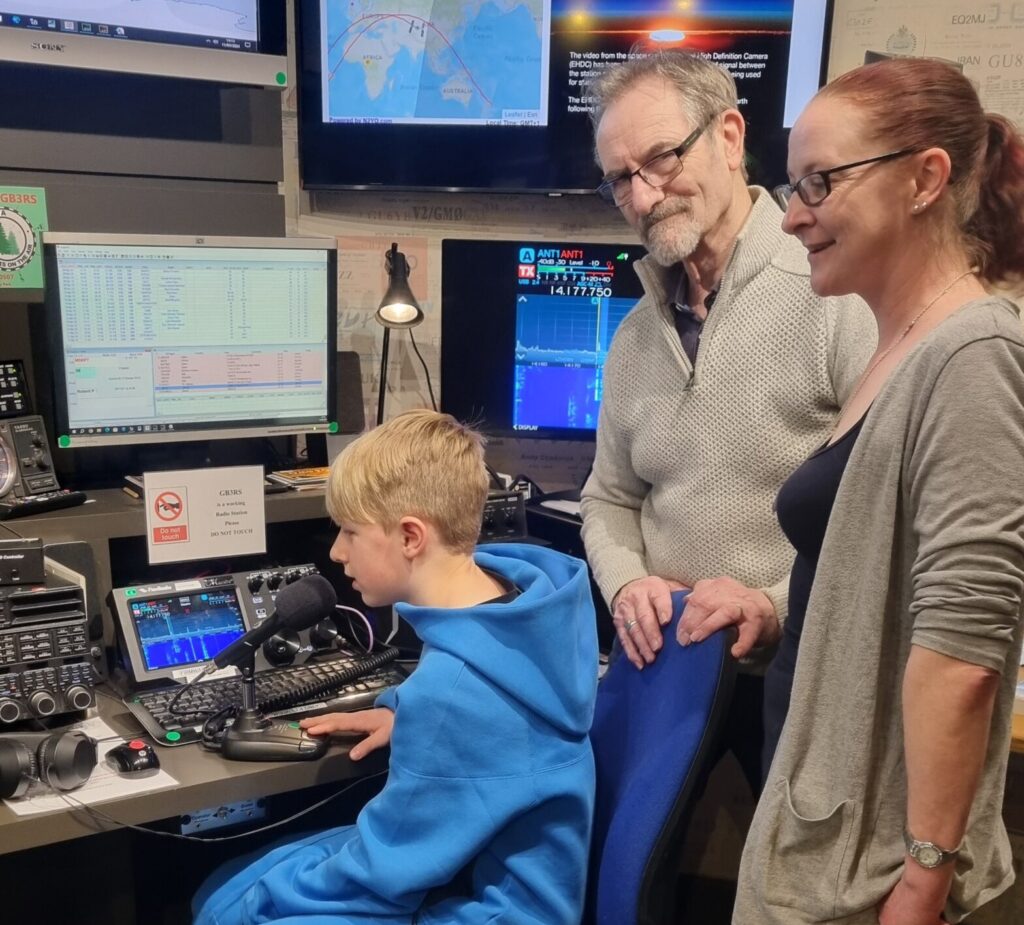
916,207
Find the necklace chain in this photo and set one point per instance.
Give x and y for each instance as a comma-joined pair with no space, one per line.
913,321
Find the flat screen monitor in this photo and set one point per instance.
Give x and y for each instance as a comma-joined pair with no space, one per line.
168,339
491,96
525,329
235,42
186,629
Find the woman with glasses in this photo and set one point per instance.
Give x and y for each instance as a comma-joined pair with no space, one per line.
882,803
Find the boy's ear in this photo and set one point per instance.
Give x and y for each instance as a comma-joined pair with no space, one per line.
413,532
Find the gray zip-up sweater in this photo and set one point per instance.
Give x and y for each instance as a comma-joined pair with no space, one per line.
925,546
689,461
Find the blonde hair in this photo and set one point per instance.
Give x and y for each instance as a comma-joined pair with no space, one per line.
421,464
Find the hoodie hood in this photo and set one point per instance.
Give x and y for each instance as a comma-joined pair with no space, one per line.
521,647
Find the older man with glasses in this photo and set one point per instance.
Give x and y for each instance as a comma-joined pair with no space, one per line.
723,378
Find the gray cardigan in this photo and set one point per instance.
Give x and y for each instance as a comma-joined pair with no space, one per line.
925,547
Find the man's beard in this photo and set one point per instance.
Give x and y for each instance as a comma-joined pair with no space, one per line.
668,242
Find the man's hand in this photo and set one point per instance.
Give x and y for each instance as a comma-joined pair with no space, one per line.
719,602
639,611
918,897
374,724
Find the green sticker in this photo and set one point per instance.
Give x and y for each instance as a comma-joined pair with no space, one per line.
64,441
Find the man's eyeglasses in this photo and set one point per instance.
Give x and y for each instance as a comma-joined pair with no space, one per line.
816,187
657,172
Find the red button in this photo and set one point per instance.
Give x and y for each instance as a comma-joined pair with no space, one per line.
137,744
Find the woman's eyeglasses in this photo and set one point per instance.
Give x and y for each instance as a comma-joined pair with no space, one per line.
816,187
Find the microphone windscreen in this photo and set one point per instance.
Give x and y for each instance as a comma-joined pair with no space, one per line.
305,602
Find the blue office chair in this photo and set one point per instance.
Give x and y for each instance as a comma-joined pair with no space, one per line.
655,734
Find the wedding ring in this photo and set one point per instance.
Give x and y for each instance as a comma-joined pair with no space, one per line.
629,625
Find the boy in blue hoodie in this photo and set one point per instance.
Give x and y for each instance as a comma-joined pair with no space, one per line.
486,813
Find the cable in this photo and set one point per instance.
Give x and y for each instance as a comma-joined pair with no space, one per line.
362,616
100,816
426,371
172,705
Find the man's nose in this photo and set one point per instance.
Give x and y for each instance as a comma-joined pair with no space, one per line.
644,197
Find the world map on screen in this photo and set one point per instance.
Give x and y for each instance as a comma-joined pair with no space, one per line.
436,61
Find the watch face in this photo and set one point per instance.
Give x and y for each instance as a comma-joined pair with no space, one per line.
928,855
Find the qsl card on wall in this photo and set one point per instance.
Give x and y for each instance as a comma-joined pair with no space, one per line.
984,37
22,223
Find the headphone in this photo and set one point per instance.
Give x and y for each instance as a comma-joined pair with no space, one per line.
63,761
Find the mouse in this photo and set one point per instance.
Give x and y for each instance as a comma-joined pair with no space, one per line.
132,757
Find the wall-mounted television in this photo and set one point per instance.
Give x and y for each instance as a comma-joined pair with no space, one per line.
490,96
238,42
160,340
525,329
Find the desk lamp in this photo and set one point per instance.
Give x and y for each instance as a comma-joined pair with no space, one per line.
398,309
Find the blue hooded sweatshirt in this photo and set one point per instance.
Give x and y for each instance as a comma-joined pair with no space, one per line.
491,776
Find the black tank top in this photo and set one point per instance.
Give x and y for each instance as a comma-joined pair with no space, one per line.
804,505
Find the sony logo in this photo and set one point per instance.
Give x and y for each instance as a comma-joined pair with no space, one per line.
47,46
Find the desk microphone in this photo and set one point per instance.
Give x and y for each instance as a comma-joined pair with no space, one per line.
299,606
253,737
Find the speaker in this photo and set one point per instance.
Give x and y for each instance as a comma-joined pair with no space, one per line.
63,761
349,409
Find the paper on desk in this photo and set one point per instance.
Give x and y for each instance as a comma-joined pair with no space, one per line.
104,783
566,507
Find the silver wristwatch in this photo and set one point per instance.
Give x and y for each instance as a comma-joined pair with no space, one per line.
928,854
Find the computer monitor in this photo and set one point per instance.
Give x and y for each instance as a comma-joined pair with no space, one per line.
166,339
494,96
525,330
181,630
241,42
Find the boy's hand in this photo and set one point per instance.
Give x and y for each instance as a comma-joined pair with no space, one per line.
374,724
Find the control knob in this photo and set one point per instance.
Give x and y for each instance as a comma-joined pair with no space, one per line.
9,710
282,648
255,582
42,703
324,634
78,697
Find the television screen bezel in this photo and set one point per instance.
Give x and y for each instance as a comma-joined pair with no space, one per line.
387,139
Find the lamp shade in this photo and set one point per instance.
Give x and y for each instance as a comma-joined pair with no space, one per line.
398,308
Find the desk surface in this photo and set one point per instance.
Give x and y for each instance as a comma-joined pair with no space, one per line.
205,780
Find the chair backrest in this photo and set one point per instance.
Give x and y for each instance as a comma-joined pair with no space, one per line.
654,733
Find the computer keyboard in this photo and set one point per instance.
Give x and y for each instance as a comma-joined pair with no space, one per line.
38,504
339,683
